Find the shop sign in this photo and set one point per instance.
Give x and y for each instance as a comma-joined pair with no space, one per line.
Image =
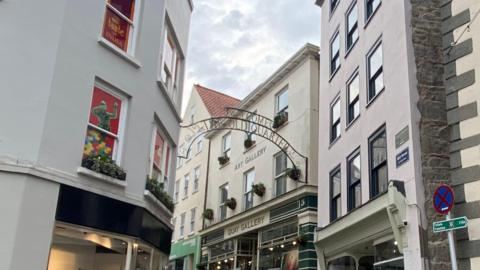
246,226
250,158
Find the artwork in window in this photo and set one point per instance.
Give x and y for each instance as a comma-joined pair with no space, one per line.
157,156
98,143
116,29
104,112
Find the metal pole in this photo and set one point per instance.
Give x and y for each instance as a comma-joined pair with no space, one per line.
451,244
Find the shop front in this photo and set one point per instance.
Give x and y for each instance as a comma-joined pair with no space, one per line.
185,254
96,232
280,238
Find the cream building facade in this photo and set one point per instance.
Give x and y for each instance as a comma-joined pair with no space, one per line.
256,216
189,188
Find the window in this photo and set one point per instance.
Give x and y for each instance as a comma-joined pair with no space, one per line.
335,54
186,179
354,181
280,160
335,128
333,5
378,162
352,26
180,160
353,97
226,144
182,225
223,198
335,194
199,144
174,223
172,62
281,101
161,158
252,127
248,180
375,72
371,6
105,125
192,219
119,23
196,173
177,191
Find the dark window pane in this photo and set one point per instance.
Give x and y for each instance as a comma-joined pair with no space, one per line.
372,5
124,6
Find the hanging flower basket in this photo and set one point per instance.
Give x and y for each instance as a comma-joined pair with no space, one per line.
280,119
248,142
222,160
258,189
231,203
301,239
104,165
208,214
293,173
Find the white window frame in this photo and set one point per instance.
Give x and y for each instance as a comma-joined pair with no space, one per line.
222,205
335,122
247,189
356,100
176,191
186,180
133,33
193,213
355,27
378,45
227,151
277,101
164,162
182,225
281,176
335,36
172,82
196,179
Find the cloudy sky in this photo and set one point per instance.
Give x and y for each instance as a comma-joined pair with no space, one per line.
236,44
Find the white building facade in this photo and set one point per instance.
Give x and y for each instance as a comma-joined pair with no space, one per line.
86,163
260,215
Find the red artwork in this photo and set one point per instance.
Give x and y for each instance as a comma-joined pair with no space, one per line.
158,151
166,160
116,29
105,110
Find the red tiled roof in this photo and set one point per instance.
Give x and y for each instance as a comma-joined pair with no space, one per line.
216,101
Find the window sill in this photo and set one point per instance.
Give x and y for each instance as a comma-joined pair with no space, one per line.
130,59
334,141
351,48
375,97
101,177
148,195
367,21
250,148
352,122
280,127
224,165
334,73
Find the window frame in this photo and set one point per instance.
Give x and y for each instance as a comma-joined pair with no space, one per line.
176,191
338,197
222,207
375,185
331,58
378,73
352,185
181,228
350,105
133,26
368,17
333,7
172,80
356,27
186,180
226,151
193,213
337,123
247,190
282,176
196,178
166,158
277,101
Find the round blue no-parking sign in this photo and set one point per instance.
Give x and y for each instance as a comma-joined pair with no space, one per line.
443,199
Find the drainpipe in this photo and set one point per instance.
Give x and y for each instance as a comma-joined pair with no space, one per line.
206,184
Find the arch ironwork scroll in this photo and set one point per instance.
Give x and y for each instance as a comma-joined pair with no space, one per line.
250,123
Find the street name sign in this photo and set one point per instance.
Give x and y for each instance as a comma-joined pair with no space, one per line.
450,224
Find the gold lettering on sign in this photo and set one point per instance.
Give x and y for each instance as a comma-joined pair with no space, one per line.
245,226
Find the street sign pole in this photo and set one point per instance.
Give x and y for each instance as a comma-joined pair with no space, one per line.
451,244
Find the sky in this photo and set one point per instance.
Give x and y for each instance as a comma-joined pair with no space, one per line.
237,44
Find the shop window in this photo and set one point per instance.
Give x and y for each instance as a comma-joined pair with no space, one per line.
378,162
334,54
223,198
283,231
172,63
182,225
371,7
248,180
354,181
375,72
223,249
226,144
283,255
119,24
366,263
335,128
186,180
343,263
280,175
352,26
105,125
353,97
387,256
196,174
335,194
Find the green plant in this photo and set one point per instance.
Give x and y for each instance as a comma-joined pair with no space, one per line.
208,214
222,160
258,189
280,119
293,173
231,203
248,142
157,189
104,165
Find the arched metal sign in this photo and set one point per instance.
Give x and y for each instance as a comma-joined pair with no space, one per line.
250,123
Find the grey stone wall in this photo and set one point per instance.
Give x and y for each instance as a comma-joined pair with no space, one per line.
433,126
